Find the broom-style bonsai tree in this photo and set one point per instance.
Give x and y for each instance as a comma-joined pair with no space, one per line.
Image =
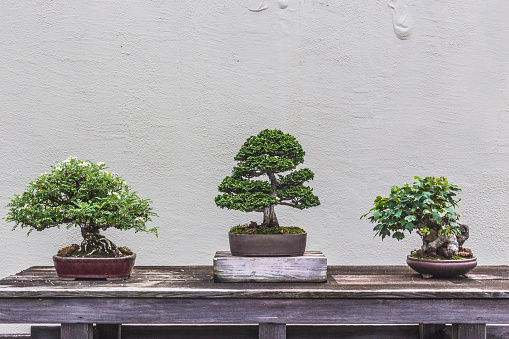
82,194
267,155
427,207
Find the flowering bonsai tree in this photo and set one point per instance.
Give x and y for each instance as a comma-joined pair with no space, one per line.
267,155
82,194
426,206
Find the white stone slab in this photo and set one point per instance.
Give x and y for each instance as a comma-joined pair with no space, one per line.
310,267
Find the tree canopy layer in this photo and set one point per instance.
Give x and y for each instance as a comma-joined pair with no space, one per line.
266,156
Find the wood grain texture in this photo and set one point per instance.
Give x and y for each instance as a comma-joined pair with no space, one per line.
77,331
311,267
378,282
253,311
188,295
272,331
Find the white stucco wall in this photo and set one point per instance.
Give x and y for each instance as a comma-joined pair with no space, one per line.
166,92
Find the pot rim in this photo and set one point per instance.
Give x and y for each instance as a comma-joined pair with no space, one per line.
127,257
435,261
278,234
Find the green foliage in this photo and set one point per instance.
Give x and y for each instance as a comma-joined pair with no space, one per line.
429,200
268,154
80,193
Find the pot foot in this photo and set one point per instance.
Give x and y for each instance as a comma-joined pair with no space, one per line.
427,276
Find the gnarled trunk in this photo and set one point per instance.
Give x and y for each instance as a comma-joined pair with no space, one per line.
434,244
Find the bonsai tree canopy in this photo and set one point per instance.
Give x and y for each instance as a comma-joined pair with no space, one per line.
267,155
426,206
82,194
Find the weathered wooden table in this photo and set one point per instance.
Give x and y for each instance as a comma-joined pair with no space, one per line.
187,295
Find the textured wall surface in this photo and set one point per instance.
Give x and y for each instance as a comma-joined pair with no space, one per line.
166,92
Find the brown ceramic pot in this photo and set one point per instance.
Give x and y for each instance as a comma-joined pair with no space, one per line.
441,268
71,268
267,245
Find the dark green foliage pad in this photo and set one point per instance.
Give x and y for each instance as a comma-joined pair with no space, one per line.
268,154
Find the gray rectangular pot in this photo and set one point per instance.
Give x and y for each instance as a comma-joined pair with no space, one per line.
267,245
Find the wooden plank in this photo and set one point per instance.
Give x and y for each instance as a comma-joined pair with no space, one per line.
272,331
77,331
253,311
469,331
431,331
196,282
310,267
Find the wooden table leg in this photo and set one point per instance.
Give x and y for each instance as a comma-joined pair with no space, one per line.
108,331
272,331
431,331
77,331
469,331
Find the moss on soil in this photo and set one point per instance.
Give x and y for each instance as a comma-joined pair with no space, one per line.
438,257
72,251
246,229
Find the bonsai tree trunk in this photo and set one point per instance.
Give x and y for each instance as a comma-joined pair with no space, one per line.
269,215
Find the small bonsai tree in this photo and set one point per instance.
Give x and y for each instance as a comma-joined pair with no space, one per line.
83,194
426,206
267,154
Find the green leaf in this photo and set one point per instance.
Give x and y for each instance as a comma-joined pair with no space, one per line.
410,218
436,216
398,235
409,226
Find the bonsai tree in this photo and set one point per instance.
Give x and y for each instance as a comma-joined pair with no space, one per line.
82,194
426,206
266,156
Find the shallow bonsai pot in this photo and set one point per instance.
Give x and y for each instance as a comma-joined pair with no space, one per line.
441,268
71,268
267,245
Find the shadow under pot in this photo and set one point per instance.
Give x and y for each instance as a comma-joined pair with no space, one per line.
441,268
71,268
267,245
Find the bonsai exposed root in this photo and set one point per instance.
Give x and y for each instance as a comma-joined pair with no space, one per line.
97,245
465,253
444,245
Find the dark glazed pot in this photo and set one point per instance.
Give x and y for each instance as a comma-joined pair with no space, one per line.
441,268
267,245
70,268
